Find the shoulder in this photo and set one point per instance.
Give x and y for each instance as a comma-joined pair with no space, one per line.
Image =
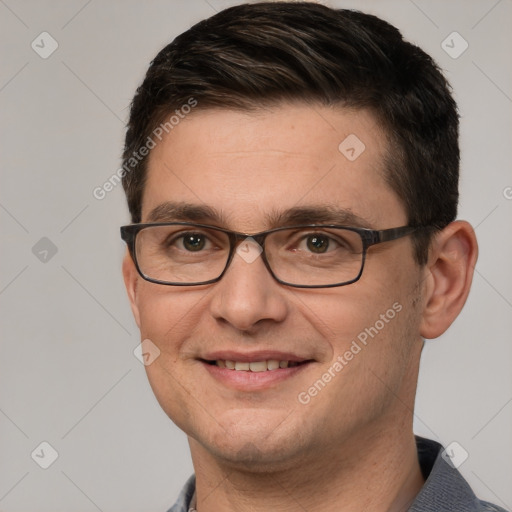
183,502
489,507
445,489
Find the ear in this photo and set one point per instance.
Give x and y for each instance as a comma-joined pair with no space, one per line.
131,280
449,273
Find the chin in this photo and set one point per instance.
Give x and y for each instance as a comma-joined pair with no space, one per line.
255,456
255,446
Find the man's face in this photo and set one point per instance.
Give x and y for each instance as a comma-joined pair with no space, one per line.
249,170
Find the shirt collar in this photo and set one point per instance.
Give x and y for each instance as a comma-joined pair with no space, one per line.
444,488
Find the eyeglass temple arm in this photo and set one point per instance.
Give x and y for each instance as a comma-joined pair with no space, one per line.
387,235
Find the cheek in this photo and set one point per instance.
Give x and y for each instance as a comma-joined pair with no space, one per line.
169,315
341,315
375,325
169,323
374,346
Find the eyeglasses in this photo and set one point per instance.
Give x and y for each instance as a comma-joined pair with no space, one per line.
310,256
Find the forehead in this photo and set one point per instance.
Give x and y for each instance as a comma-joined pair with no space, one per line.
249,167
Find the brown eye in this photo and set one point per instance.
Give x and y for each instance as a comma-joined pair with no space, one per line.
317,244
193,242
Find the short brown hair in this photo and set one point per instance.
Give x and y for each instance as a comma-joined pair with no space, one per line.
252,55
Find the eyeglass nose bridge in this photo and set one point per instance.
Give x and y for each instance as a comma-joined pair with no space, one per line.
249,248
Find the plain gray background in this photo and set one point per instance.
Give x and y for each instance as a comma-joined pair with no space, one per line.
68,374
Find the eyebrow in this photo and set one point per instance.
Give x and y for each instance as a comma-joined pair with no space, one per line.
325,214
172,211
322,214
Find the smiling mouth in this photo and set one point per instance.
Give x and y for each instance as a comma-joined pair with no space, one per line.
255,366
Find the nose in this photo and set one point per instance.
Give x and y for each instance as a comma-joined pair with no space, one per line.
247,295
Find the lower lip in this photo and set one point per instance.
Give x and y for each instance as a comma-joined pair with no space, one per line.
253,381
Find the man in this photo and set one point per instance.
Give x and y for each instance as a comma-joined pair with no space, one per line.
292,177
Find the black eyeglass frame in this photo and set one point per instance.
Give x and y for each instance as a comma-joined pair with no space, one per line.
369,238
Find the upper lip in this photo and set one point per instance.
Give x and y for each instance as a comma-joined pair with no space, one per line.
250,357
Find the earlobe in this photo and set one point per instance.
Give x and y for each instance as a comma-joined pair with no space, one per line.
131,279
450,269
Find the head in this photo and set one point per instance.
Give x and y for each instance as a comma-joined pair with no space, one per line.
243,119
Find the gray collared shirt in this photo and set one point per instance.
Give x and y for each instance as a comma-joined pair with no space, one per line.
445,490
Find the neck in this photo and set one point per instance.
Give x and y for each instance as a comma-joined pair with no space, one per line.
376,471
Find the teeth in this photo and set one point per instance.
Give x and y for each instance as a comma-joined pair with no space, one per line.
256,366
273,364
260,366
